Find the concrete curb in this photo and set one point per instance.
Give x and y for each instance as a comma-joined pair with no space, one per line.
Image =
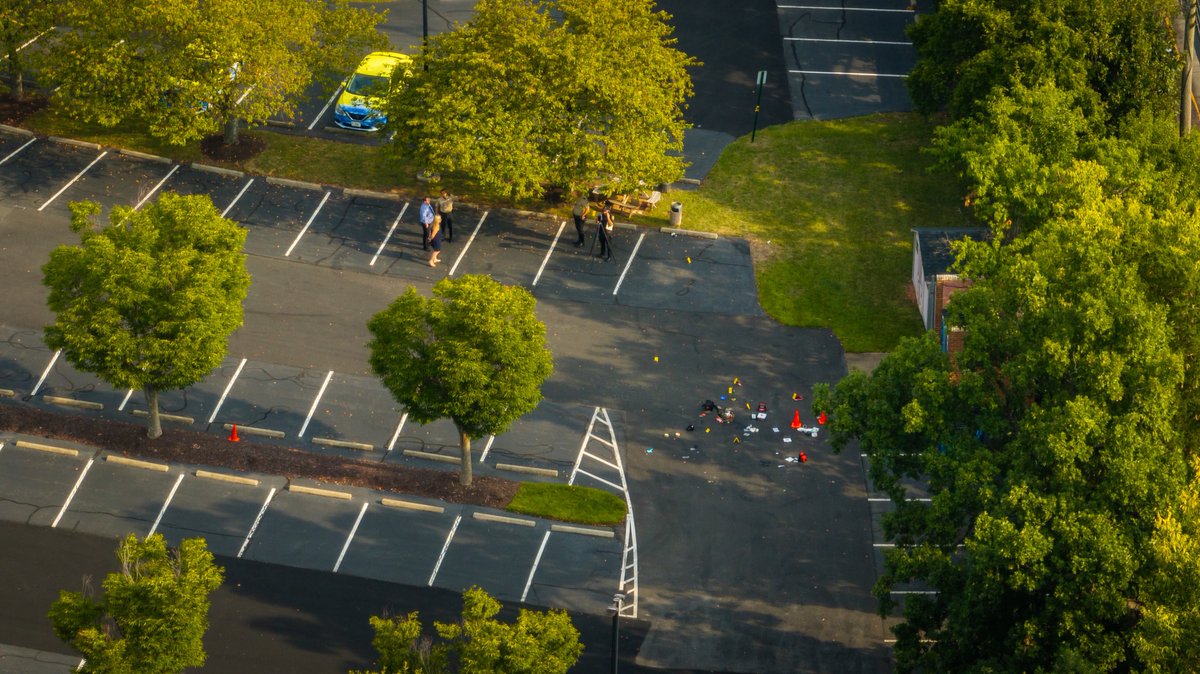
288,182
7,393
225,477
167,417
137,463
144,155
583,531
17,130
72,141
317,491
528,214
53,449
530,470
519,521
220,170
416,454
355,192
330,442
251,430
411,505
71,402
281,124
690,232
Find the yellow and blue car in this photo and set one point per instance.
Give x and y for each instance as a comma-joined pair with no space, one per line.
360,105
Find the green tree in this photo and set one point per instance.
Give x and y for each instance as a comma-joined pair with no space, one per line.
149,301
154,612
474,353
1115,56
1048,445
531,93
537,643
192,68
20,22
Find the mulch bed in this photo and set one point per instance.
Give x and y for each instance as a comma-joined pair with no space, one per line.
247,147
193,447
14,112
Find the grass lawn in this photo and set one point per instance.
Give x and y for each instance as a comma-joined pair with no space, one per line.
828,206
569,503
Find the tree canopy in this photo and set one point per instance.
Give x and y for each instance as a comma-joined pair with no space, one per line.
537,643
474,353
149,301
20,22
191,68
536,93
154,612
1114,57
1049,445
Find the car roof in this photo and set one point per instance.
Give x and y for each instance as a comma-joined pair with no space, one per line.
381,63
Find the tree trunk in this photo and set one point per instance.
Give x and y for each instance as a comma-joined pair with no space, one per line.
153,424
1185,86
464,476
14,71
231,130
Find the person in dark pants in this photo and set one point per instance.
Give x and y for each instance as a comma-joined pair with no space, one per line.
579,213
426,217
604,225
445,208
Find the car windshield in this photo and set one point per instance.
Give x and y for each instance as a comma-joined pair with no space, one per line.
367,85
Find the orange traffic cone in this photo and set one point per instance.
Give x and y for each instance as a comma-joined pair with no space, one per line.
821,418
233,436
796,419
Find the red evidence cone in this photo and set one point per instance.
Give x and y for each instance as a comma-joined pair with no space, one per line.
233,436
796,419
821,418
803,457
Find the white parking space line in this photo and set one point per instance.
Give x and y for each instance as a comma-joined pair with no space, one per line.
848,9
125,400
156,187
536,560
14,152
28,42
64,187
396,435
876,499
847,74
166,504
253,527
389,235
324,109
239,196
228,387
445,547
487,448
349,538
549,252
45,373
583,445
824,39
469,242
316,401
244,95
307,224
70,497
629,262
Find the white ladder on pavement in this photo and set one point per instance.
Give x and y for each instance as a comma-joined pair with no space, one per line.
628,585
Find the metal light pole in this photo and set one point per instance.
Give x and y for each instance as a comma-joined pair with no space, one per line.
615,609
424,31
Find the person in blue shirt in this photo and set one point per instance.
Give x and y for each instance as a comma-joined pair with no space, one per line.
426,217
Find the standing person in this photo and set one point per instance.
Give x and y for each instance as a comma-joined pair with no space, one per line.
445,208
579,213
604,225
426,217
435,240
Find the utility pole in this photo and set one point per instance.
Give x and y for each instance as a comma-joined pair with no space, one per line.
425,32
762,79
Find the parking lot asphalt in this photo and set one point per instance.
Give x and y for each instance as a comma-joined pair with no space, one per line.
746,561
